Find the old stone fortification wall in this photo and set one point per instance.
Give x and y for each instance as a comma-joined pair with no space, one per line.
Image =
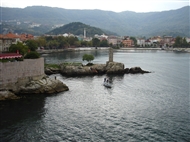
13,74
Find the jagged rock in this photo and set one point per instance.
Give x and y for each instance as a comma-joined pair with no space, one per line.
49,71
43,86
100,68
115,68
7,95
75,70
126,70
135,70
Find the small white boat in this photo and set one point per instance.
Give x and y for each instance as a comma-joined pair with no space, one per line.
107,84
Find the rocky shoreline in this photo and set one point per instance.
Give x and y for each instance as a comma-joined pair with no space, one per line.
94,69
45,85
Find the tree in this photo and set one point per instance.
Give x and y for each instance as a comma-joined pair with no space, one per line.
41,42
95,42
134,39
32,45
88,57
63,44
22,49
180,42
104,43
184,43
32,55
77,44
84,43
72,40
53,44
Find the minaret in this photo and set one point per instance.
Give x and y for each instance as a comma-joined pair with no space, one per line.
84,33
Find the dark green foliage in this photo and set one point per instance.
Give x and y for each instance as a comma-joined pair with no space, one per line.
32,55
32,45
22,49
41,42
95,42
77,28
134,40
181,42
88,57
61,42
104,43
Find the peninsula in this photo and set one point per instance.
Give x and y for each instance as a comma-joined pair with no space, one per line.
78,69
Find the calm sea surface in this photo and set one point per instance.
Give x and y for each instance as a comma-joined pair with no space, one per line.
141,107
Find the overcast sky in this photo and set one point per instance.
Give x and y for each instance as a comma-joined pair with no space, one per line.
111,5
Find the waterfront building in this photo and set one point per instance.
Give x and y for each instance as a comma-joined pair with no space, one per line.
127,42
113,40
10,38
167,41
141,42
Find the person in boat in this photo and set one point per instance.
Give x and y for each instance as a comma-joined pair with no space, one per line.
104,79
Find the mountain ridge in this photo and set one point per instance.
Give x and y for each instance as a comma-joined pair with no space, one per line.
123,23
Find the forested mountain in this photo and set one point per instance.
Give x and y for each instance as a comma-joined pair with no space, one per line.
173,22
77,28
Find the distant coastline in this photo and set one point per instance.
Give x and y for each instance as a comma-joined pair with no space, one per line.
90,48
106,48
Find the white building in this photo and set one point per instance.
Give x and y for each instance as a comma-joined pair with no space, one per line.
141,42
187,39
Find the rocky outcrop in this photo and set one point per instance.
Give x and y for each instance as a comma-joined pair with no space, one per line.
73,70
49,70
44,86
98,68
108,68
115,68
7,95
135,70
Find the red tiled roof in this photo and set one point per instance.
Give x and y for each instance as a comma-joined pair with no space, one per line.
10,55
11,35
22,37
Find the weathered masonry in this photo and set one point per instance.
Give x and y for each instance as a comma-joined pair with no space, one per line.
13,74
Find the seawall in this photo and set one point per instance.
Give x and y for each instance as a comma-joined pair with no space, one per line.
14,74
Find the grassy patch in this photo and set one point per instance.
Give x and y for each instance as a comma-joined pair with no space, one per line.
52,66
71,64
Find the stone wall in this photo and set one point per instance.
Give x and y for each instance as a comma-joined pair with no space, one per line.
17,73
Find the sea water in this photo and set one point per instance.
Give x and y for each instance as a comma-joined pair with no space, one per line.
138,107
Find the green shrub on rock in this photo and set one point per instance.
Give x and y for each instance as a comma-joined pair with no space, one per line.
88,57
32,55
